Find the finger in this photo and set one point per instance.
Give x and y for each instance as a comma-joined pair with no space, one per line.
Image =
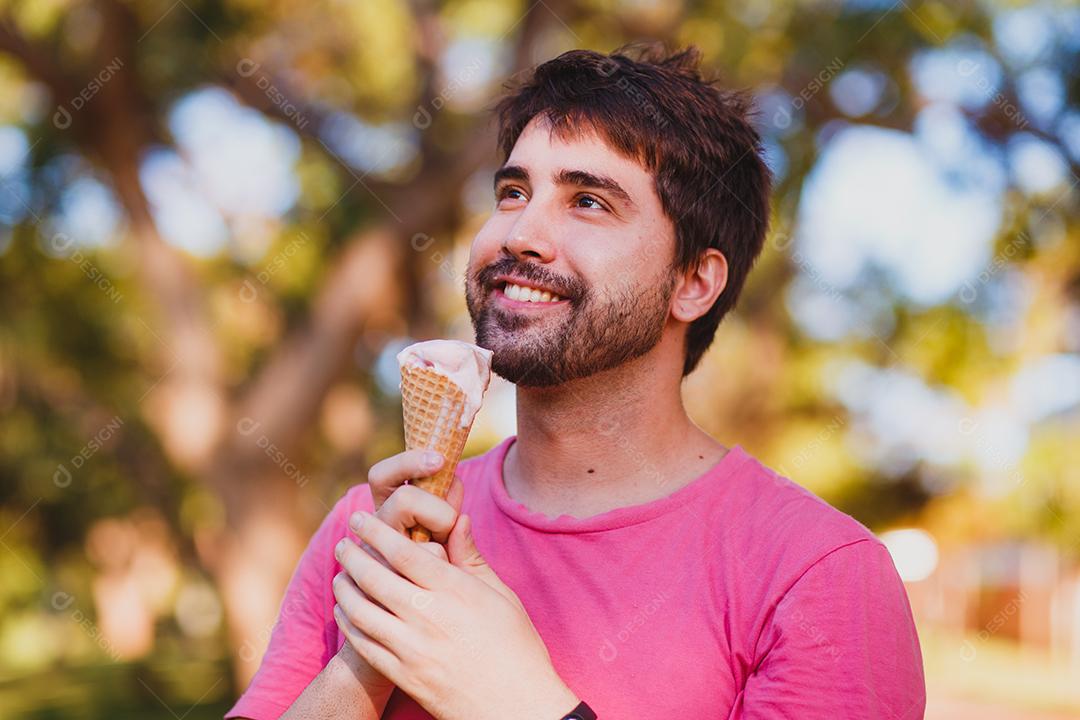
455,496
410,505
382,660
380,584
372,554
436,549
408,558
371,551
374,621
387,475
464,555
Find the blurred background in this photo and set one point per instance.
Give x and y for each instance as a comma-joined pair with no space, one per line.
219,221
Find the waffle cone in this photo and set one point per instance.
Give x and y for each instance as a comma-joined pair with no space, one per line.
432,406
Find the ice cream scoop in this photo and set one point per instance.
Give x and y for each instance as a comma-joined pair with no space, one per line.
466,365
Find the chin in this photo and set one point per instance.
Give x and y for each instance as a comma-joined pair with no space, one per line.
535,376
513,362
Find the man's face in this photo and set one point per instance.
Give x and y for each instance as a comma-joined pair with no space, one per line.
578,220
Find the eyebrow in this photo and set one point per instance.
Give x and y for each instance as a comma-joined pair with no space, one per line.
579,178
511,172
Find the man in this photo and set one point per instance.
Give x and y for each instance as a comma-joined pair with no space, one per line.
612,556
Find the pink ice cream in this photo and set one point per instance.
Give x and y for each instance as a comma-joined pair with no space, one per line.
467,365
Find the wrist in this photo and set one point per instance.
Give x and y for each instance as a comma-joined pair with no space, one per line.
354,669
559,701
581,711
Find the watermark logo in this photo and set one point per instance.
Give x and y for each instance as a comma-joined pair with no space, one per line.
62,242
969,651
968,68
783,115
609,649
62,476
423,116
249,292
248,68
421,242
249,427
63,602
63,117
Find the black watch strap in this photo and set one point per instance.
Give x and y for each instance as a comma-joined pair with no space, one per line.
581,712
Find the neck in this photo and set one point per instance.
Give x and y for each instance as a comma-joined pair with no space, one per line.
616,438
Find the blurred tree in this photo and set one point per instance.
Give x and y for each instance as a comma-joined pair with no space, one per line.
131,63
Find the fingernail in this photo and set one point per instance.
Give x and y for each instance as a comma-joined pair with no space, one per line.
432,460
340,548
357,520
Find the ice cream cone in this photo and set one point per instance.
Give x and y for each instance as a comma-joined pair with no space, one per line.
432,407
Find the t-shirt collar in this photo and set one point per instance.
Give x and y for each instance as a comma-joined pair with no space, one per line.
612,519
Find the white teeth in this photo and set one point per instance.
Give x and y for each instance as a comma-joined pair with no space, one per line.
526,294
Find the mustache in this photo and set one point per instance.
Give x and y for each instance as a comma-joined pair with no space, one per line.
565,287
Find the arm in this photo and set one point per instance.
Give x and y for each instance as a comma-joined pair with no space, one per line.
841,643
302,638
343,689
338,692
301,676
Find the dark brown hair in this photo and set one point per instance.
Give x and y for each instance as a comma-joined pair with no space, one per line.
696,139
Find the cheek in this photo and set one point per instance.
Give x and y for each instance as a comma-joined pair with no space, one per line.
656,243
484,249
630,272
649,260
487,242
610,263
495,229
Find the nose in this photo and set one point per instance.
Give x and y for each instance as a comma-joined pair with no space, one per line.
529,239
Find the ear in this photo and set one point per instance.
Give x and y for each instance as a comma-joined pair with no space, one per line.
697,288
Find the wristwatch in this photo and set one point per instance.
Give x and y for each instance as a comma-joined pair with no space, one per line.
581,712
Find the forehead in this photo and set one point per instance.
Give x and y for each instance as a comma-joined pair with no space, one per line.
539,147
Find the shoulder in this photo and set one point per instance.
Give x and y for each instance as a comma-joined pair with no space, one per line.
831,601
840,642
784,526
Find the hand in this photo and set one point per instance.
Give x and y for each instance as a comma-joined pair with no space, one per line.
450,634
402,506
405,506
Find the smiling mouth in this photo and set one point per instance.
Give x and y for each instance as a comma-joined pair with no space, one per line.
517,295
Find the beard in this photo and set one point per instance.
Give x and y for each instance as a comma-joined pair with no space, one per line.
593,332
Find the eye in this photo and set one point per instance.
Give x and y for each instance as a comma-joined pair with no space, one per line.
596,204
508,193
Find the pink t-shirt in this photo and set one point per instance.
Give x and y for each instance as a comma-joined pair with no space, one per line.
740,595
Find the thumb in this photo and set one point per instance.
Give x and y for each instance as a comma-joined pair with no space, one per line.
462,552
461,547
